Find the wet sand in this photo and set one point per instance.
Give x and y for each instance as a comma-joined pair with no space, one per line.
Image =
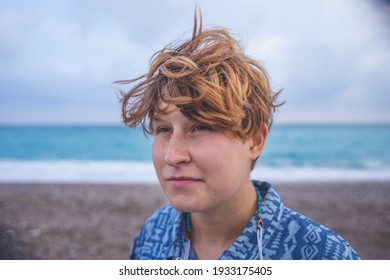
86,221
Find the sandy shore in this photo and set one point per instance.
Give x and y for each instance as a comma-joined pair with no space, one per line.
45,221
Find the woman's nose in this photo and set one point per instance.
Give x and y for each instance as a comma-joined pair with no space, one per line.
177,150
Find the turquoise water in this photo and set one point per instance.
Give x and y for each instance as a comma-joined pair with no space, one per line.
78,152
77,142
329,146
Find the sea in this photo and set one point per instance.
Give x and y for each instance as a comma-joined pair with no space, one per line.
117,154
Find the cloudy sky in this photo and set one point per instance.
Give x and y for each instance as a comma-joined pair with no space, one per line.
58,59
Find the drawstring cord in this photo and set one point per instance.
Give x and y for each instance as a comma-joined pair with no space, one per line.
259,230
187,250
260,224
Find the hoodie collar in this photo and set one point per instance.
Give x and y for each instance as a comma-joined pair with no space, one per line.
243,247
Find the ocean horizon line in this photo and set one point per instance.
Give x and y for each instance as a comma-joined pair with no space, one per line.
81,125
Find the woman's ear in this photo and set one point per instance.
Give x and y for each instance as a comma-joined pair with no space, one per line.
258,142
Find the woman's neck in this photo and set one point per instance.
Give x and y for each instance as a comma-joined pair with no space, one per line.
214,231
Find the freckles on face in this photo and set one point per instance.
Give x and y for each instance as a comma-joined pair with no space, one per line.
197,166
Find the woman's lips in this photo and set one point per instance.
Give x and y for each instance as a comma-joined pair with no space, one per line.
182,182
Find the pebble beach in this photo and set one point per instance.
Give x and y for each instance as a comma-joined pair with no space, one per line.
96,221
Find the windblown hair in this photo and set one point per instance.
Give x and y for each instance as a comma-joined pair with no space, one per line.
209,79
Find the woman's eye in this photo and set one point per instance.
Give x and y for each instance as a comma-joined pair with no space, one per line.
163,129
201,127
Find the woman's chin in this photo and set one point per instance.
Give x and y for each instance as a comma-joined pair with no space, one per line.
185,207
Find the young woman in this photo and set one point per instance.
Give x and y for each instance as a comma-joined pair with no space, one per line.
209,108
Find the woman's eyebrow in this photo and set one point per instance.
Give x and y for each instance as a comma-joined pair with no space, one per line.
157,118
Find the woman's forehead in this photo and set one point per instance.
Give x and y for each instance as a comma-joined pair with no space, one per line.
165,111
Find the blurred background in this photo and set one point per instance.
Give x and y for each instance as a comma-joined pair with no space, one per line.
60,114
58,103
59,58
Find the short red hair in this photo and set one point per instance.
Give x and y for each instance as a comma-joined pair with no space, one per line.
209,79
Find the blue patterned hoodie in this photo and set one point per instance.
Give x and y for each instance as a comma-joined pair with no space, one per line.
287,235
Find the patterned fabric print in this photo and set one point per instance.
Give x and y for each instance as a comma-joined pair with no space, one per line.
287,235
158,236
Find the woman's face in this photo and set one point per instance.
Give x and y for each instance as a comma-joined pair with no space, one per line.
199,168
